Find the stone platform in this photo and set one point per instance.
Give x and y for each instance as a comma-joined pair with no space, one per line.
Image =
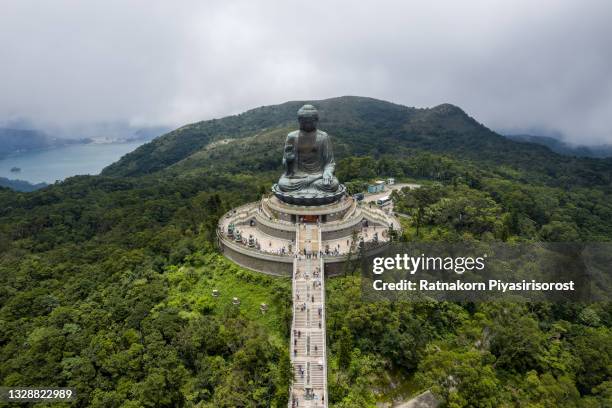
306,243
309,197
262,235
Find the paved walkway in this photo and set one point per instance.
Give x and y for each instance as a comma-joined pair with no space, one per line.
308,344
308,348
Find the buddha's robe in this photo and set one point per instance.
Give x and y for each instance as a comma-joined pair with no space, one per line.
308,156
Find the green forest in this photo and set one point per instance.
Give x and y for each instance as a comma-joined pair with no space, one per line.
106,281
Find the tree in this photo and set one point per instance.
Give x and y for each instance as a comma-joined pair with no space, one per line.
460,378
345,347
518,344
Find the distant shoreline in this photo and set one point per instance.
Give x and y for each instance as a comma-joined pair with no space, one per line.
19,153
49,165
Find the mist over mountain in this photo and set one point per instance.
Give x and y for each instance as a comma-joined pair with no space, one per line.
114,280
178,70
359,126
106,280
21,185
109,132
22,140
561,147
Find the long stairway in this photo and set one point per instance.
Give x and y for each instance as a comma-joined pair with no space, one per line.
308,342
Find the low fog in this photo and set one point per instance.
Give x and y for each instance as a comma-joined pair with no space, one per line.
518,66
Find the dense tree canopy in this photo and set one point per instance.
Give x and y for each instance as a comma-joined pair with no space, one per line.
105,282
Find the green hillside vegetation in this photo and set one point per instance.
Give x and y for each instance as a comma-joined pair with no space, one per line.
106,281
365,126
471,202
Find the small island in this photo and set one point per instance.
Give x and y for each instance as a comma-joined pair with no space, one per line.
15,169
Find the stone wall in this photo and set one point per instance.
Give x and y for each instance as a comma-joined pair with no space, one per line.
281,266
341,233
285,217
275,232
334,216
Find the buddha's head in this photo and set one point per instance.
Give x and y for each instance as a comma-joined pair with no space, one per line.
308,116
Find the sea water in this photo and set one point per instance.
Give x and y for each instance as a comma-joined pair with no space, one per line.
57,164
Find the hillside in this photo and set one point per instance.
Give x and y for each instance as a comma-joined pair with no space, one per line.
558,146
23,140
21,185
106,281
360,126
17,140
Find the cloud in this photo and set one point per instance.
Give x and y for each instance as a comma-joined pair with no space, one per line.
515,65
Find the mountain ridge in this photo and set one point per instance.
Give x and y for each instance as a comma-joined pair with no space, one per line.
246,124
21,185
17,140
365,126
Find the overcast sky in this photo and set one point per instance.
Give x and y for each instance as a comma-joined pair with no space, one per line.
540,66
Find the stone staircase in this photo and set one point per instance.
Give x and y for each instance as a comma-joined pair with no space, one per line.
308,342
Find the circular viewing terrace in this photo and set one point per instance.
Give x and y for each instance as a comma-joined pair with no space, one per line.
262,235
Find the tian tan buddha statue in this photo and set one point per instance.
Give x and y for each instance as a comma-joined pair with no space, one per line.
308,160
